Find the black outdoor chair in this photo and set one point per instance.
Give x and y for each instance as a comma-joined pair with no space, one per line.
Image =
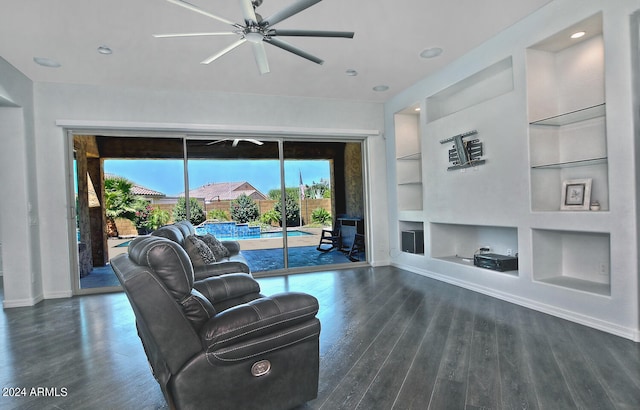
330,239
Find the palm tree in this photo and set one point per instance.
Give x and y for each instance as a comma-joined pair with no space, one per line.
119,202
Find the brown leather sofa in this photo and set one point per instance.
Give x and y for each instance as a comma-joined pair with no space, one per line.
217,343
233,263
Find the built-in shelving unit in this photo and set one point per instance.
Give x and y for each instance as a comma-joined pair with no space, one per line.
567,128
568,141
552,112
408,159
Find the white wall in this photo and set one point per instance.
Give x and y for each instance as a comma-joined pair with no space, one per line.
498,193
19,222
56,102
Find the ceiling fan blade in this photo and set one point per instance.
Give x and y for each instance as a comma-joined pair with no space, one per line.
225,33
191,7
223,52
292,49
261,57
310,33
249,13
216,141
288,12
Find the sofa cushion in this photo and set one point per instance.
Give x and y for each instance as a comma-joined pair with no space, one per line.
198,251
219,250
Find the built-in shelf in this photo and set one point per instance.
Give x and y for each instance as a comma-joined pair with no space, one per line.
408,160
570,164
573,116
412,237
465,261
482,86
579,284
573,259
459,243
411,157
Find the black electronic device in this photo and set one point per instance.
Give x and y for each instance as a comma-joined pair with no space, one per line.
501,263
413,241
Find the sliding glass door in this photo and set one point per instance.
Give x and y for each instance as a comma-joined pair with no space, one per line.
292,204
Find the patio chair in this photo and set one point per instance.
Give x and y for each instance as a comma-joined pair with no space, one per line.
331,238
356,248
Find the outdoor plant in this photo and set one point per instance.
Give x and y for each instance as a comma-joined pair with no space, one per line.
244,209
218,214
195,211
292,210
141,217
159,217
271,217
119,202
321,216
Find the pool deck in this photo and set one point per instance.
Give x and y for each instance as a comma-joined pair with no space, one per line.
246,244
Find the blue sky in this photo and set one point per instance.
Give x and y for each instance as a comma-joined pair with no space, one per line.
167,176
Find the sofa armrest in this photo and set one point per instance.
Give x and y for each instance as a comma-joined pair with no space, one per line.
219,268
261,317
232,246
230,286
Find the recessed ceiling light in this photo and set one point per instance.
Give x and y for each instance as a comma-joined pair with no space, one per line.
47,62
578,34
104,50
351,72
381,88
431,52
416,109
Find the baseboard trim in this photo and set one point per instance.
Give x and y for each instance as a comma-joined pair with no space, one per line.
58,295
627,333
14,303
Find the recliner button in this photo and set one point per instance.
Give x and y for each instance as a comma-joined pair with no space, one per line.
261,368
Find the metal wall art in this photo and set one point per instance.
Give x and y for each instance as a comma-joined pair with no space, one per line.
465,152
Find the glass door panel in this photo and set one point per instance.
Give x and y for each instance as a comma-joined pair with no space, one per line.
325,203
234,186
124,187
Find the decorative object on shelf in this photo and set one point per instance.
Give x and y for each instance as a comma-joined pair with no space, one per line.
576,195
465,153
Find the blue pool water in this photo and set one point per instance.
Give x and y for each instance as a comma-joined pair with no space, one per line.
231,231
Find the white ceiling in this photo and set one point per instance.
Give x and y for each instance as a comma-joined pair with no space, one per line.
389,36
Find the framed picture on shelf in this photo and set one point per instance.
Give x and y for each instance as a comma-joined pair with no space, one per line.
576,195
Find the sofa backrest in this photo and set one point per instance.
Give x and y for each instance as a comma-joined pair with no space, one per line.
175,232
168,337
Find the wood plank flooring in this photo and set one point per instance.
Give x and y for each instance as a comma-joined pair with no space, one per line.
390,340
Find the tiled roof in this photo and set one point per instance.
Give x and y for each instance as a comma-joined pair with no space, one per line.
225,191
144,191
138,189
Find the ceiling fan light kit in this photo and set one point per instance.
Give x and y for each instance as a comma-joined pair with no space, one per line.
257,31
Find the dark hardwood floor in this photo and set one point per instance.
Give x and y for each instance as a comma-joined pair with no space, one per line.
390,340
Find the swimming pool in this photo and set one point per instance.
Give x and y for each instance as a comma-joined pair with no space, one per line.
231,231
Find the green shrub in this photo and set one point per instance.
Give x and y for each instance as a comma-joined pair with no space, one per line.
158,218
195,211
218,214
321,216
271,217
244,209
292,210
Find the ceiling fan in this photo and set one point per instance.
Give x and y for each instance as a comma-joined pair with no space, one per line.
259,31
236,141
